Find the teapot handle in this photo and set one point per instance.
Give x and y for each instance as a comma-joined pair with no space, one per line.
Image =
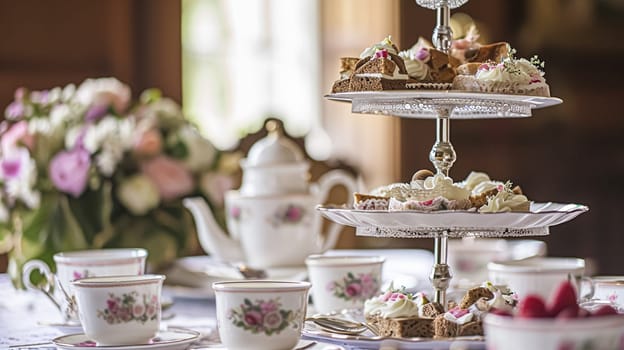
325,184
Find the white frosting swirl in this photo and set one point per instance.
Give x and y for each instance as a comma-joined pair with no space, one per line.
473,179
499,302
384,44
486,186
505,201
443,186
501,74
416,69
435,186
391,308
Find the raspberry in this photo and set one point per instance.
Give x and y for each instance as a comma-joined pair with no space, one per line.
571,311
564,297
532,306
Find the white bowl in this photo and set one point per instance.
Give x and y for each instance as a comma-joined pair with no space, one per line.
508,333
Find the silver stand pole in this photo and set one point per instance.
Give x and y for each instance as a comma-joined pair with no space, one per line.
442,156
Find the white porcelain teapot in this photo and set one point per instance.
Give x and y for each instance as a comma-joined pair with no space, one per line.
272,220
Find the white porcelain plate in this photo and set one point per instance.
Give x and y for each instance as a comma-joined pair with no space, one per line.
367,341
455,223
171,339
427,103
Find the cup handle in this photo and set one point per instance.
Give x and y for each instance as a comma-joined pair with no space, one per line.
326,183
47,286
592,289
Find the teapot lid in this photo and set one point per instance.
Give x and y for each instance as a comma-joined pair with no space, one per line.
274,149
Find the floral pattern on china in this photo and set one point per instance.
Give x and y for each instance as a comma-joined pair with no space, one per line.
263,316
354,287
130,307
290,214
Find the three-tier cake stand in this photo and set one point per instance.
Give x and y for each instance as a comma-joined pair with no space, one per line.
444,106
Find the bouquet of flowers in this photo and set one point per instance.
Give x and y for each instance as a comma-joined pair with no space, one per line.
87,167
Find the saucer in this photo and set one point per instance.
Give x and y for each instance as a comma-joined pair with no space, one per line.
171,339
64,327
192,277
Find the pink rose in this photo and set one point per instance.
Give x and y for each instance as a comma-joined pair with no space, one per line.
69,171
149,143
353,289
108,92
17,133
293,213
138,310
253,318
268,306
272,320
13,164
171,178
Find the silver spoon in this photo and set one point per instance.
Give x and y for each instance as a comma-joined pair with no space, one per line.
341,326
250,273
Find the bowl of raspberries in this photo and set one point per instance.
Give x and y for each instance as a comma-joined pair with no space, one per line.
556,324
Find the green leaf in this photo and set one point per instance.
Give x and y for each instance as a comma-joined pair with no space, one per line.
178,150
72,236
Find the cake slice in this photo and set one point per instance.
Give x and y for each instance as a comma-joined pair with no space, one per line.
396,313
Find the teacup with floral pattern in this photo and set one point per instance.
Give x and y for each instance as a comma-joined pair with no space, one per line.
74,265
260,314
343,282
119,310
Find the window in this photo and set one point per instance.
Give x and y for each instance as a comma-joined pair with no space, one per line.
244,60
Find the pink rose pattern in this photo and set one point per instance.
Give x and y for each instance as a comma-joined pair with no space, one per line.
129,307
354,287
291,214
76,275
263,316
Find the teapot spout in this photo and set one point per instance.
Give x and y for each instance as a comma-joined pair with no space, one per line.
212,239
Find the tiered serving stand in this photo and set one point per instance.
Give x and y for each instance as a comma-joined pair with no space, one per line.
444,106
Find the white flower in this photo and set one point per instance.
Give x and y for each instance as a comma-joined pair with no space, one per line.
68,92
108,130
139,194
108,158
19,175
201,153
104,91
60,114
166,111
40,126
71,136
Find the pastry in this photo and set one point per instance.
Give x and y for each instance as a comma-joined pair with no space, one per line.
465,319
347,67
399,314
509,76
427,67
379,68
428,192
370,202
